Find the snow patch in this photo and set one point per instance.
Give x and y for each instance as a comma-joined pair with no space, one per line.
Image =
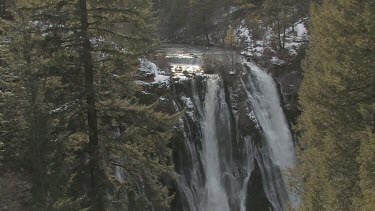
161,78
256,48
301,30
252,116
277,61
244,33
187,101
62,108
149,68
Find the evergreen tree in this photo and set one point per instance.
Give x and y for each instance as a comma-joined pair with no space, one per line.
230,40
337,124
70,68
26,84
280,15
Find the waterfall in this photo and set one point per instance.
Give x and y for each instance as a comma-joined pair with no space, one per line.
263,94
220,167
216,198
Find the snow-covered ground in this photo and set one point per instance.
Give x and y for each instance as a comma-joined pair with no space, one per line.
256,47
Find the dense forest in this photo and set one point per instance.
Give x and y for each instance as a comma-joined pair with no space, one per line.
84,126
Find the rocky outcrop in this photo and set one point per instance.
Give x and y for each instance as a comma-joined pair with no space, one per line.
256,199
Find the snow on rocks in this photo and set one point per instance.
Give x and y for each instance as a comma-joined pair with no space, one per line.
296,37
149,68
243,34
277,61
301,31
63,108
184,64
187,101
180,72
252,47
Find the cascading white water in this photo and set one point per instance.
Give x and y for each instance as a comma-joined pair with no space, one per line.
216,198
266,102
265,99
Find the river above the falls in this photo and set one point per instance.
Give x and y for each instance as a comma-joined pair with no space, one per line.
187,59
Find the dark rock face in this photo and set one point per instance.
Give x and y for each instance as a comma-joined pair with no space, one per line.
289,77
256,199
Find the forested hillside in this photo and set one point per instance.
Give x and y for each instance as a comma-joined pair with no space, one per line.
207,22
187,105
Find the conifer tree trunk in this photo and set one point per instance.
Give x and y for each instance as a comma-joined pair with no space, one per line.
87,62
2,8
279,34
2,5
37,134
284,35
205,26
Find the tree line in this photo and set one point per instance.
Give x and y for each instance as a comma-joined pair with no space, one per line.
199,21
